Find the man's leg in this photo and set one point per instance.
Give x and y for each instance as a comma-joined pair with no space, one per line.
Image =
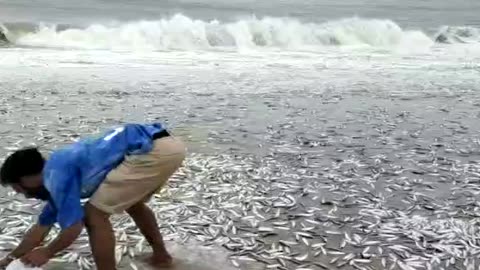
146,222
101,236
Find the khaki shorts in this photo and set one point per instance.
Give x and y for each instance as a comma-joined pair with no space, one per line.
138,177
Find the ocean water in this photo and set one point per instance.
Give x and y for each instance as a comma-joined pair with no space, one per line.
389,90
189,25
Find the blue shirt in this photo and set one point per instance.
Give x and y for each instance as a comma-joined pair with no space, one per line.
76,171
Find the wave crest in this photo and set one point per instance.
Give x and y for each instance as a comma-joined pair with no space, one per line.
183,33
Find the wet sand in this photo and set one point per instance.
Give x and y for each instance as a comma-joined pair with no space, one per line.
188,257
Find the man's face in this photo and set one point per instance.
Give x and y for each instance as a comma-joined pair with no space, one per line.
32,187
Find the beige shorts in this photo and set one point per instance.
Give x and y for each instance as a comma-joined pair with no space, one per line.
138,177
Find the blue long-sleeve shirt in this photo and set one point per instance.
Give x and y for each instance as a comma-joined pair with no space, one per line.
75,172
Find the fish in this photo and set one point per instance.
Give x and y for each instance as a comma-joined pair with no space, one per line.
301,257
261,212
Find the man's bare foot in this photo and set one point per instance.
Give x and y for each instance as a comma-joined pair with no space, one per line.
160,261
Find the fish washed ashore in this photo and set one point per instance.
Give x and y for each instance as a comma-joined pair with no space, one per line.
293,164
265,212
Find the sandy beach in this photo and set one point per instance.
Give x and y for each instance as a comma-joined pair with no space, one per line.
339,142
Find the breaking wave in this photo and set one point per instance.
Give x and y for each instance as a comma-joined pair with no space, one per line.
459,34
183,33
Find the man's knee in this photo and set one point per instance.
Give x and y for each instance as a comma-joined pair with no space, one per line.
137,208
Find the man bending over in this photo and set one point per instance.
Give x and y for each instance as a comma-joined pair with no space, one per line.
118,171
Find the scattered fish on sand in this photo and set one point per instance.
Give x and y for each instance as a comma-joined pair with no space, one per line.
242,205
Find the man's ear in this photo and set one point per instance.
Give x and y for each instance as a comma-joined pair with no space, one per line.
31,181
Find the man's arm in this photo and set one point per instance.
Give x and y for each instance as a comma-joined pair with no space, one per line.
41,255
65,238
34,236
61,181
32,239
70,218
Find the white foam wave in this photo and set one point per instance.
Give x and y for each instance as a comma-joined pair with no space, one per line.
458,34
183,33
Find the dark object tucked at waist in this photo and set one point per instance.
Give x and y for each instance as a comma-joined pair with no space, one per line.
161,134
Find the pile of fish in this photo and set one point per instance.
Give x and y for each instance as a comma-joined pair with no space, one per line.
269,214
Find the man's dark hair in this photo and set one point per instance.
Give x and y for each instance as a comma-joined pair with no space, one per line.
24,162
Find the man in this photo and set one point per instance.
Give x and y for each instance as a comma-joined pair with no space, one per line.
118,171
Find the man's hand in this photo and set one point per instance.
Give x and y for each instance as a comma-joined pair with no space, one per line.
37,257
5,262
33,238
